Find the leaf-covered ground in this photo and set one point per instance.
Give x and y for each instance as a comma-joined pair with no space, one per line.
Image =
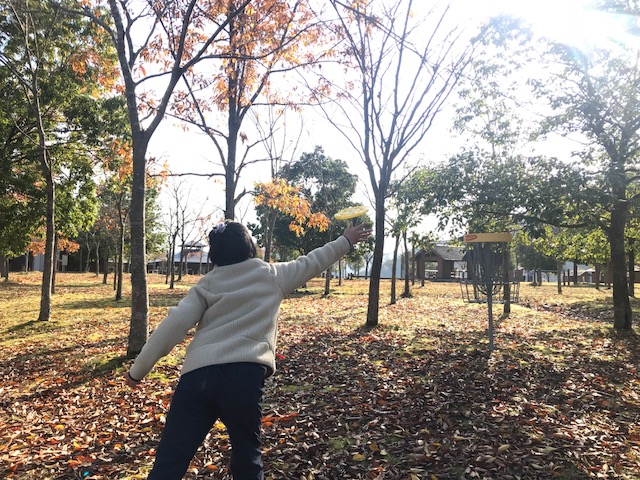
419,397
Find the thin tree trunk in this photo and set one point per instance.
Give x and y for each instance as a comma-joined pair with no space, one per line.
413,264
119,271
181,264
172,263
166,273
632,268
88,262
47,274
394,265
139,324
506,278
54,272
234,122
559,270
4,268
105,267
373,307
622,315
47,170
268,241
327,280
407,288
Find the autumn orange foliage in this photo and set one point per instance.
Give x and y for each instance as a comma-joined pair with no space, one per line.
280,196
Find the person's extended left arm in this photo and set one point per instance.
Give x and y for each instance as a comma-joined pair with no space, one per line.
293,274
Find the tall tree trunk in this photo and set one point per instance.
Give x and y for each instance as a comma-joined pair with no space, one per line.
54,272
88,262
373,307
575,272
598,273
268,241
632,269
506,279
50,236
172,263
166,273
4,268
139,324
105,266
119,270
181,264
413,264
622,315
394,266
229,180
234,122
559,270
327,280
407,287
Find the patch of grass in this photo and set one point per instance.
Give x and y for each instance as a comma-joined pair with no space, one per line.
296,388
339,443
104,363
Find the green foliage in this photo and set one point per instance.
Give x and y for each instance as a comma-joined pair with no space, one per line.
327,185
411,199
51,66
356,256
54,68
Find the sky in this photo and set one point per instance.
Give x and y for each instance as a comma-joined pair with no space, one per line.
570,21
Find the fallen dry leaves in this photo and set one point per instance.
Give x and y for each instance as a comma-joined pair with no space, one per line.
417,398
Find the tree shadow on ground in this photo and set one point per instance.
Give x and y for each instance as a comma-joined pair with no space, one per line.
449,408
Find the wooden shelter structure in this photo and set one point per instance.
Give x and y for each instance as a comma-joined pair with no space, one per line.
444,256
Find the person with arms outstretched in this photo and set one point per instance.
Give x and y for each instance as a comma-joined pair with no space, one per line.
234,309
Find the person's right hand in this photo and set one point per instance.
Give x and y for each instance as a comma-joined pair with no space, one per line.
357,233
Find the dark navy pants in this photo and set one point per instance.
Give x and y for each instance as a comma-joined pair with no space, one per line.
230,392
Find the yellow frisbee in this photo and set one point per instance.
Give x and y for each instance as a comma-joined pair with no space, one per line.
351,212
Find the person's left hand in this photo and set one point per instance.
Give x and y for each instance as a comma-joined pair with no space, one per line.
130,381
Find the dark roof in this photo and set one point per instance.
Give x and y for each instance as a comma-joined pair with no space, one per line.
454,254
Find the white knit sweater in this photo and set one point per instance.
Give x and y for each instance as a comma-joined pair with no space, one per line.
235,310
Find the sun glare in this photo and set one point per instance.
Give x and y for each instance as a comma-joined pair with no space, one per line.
573,22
